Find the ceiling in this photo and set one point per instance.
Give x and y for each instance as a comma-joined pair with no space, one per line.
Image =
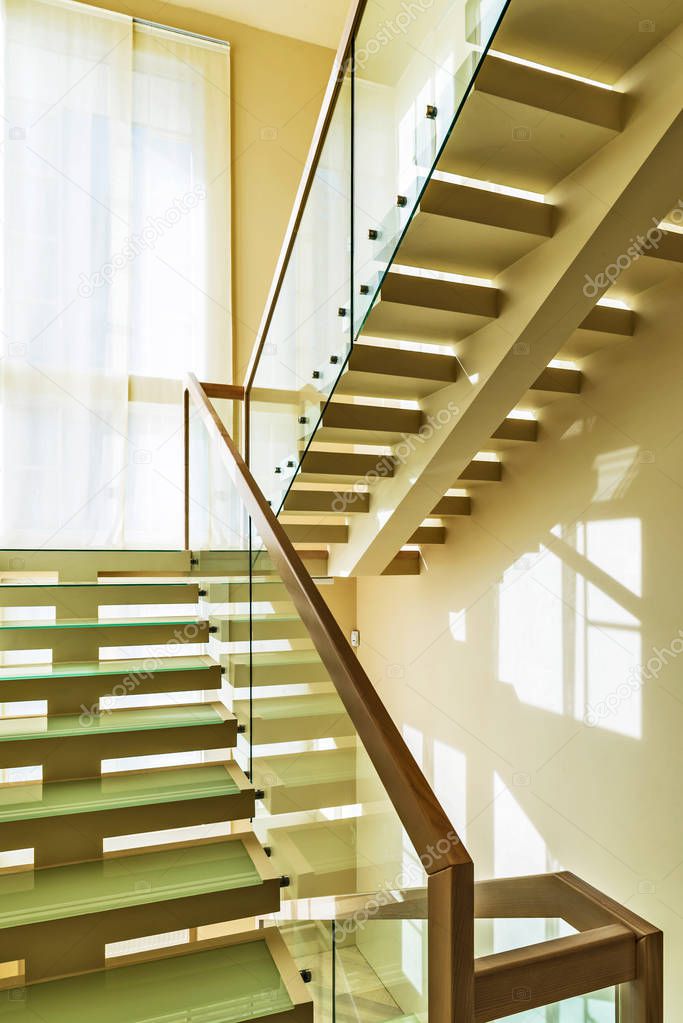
312,20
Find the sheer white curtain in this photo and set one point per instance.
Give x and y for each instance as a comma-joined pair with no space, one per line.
116,273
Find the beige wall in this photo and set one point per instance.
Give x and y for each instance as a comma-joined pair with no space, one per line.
568,576
277,89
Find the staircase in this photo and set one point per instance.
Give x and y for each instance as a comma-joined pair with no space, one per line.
126,852
478,311
206,812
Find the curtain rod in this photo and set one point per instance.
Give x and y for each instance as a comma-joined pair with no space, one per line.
181,32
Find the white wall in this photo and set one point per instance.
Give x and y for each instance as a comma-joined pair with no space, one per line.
567,578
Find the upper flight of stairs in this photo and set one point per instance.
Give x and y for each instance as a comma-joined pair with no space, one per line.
498,198
123,811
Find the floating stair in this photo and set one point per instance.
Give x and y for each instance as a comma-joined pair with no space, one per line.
455,505
73,745
428,309
386,372
70,684
481,471
260,591
471,229
312,532
529,128
76,599
67,821
345,465
60,922
559,380
294,718
240,628
104,808
428,535
307,781
327,501
251,977
350,424
89,634
321,856
288,667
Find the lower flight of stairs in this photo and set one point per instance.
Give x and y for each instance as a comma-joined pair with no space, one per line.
130,876
299,744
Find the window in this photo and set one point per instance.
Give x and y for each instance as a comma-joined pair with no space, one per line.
116,269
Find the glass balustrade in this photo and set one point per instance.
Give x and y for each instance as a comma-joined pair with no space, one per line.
408,70
362,890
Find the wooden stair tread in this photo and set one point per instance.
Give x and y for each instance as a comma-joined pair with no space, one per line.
61,726
33,801
34,594
94,886
34,624
482,471
103,669
544,89
233,984
474,231
335,502
316,767
560,123
316,532
280,708
453,506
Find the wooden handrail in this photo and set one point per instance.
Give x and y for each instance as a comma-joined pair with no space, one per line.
614,946
431,832
552,971
231,392
334,86
449,868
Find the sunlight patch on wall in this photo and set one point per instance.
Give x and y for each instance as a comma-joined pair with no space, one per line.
457,625
616,547
450,784
530,626
611,642
519,848
414,740
615,472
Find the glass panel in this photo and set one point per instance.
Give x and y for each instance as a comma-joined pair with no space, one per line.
505,934
310,943
414,64
324,813
217,520
598,1007
381,970
411,68
309,336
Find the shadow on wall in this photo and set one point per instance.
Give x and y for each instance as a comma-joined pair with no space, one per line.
535,666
